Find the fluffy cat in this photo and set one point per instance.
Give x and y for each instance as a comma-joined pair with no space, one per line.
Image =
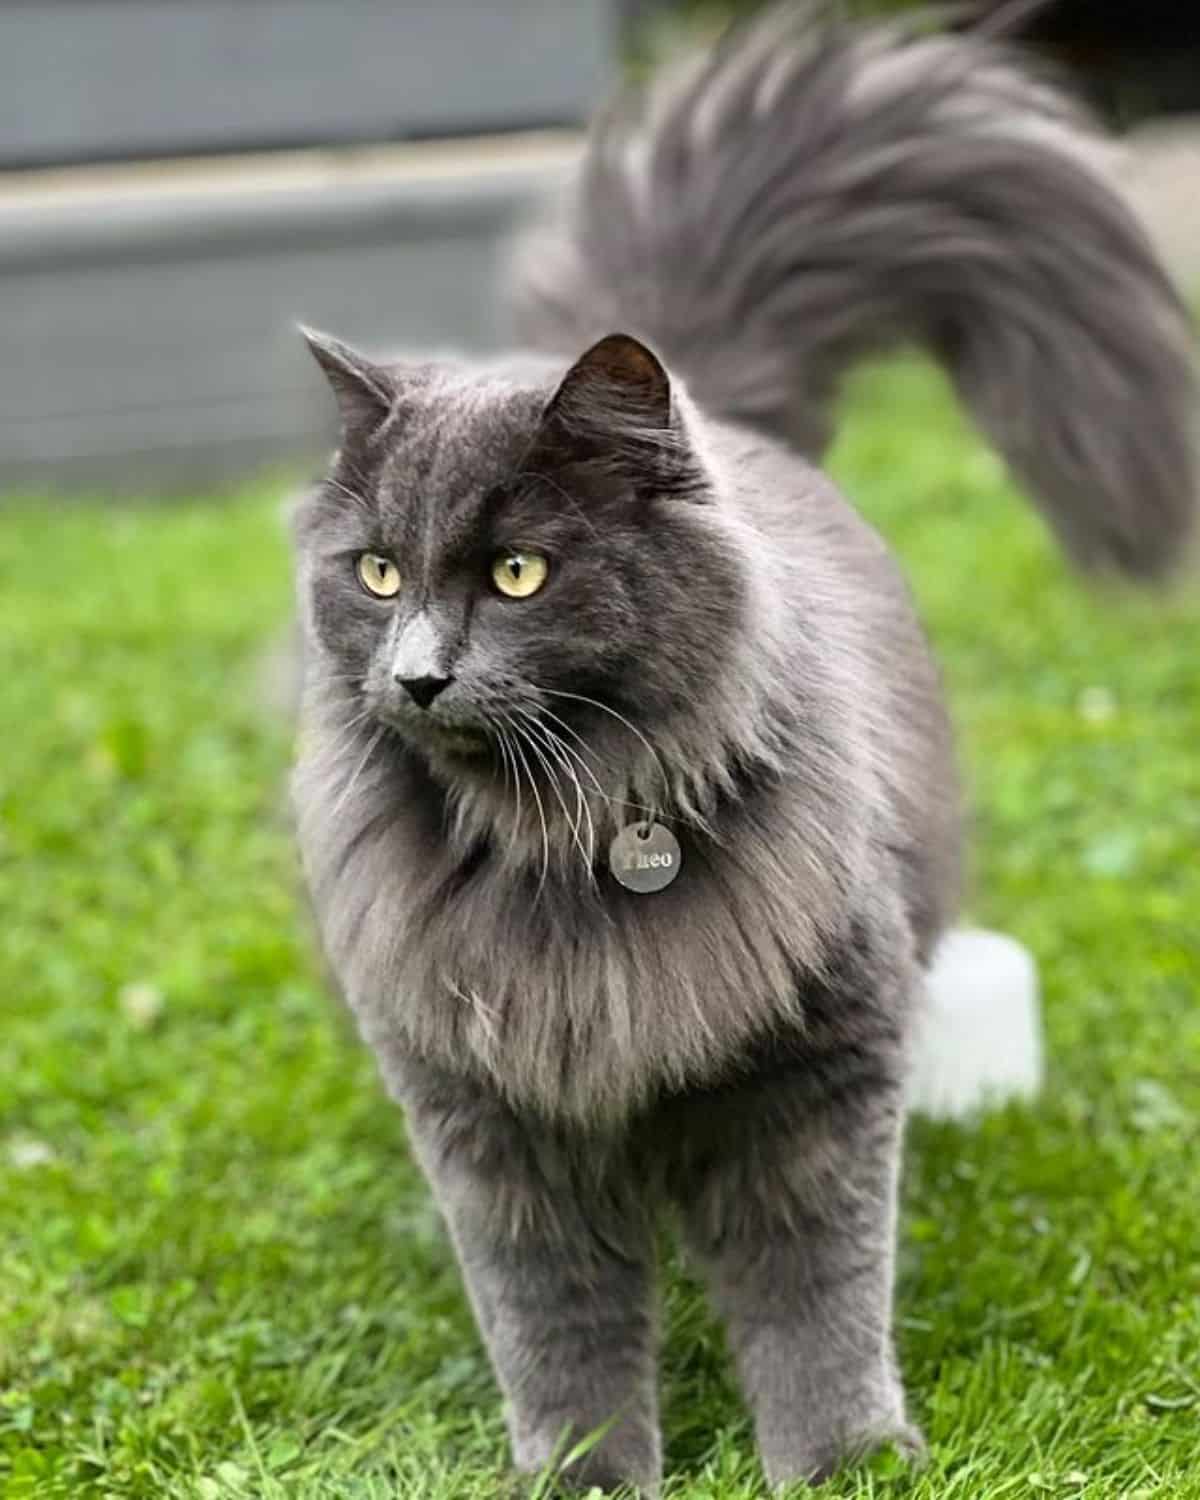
544,601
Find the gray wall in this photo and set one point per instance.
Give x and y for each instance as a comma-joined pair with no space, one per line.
81,79
148,328
147,310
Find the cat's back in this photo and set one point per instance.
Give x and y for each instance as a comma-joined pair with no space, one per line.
807,525
837,599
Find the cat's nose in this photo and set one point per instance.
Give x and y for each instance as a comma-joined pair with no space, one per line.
423,690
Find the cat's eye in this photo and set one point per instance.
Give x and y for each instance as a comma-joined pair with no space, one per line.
378,575
517,575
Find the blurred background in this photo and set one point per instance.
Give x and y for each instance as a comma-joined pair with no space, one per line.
181,181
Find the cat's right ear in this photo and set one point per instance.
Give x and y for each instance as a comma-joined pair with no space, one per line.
364,391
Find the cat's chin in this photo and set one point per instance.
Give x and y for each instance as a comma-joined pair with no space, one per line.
457,748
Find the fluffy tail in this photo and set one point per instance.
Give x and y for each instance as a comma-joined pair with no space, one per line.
815,191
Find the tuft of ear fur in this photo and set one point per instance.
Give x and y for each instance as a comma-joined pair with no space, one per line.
621,373
613,409
364,391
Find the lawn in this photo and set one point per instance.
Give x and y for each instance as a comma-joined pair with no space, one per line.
220,1275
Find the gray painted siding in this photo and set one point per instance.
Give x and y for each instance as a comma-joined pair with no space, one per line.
82,79
148,318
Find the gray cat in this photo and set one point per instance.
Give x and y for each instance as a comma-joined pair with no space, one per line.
572,632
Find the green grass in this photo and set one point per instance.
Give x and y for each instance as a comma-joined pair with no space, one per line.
219,1273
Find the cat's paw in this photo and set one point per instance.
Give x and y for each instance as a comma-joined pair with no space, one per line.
590,1483
624,1463
822,1461
907,1441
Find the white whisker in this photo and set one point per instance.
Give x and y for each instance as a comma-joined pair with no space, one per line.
653,812
517,737
510,759
556,747
350,785
575,735
562,801
345,734
621,719
591,775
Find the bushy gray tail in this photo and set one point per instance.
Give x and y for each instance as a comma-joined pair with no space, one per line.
815,191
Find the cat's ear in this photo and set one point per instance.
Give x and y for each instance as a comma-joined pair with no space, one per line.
617,377
364,391
614,408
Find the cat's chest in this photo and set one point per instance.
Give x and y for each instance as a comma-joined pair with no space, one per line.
580,997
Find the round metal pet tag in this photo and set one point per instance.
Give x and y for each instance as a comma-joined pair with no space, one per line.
645,857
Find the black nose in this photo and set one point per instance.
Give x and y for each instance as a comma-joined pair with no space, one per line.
423,690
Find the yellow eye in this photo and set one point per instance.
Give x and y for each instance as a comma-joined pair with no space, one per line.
519,574
378,575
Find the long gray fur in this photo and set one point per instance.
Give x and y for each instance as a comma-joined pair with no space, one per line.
721,640
811,192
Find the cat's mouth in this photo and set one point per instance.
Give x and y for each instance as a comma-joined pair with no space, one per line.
442,739
456,740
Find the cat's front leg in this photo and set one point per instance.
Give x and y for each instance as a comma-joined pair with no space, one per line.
789,1204
556,1252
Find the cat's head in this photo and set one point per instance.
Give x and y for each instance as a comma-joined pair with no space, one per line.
506,564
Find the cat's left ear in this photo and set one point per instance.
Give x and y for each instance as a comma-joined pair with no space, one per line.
614,407
364,391
616,378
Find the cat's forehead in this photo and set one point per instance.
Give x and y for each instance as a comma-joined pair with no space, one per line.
455,437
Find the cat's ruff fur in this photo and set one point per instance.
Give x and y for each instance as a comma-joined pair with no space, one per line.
721,639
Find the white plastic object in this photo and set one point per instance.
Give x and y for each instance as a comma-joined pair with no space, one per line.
979,1040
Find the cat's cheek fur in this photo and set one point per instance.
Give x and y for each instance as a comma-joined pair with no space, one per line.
342,622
